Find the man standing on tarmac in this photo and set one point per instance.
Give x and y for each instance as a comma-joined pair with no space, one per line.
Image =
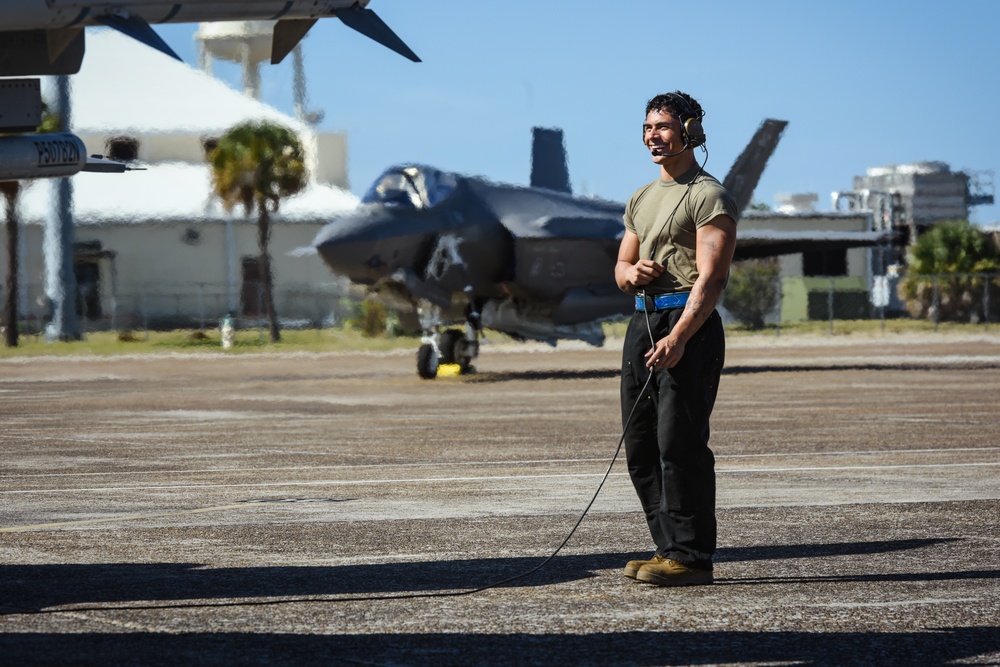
680,233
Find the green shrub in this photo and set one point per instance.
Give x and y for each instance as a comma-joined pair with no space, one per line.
947,274
371,319
753,290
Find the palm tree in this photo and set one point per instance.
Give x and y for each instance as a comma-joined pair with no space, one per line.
257,165
10,190
949,273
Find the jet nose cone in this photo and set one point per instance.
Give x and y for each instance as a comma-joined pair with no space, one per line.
367,245
347,244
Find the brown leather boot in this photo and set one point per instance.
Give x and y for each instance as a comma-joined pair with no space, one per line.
668,572
633,566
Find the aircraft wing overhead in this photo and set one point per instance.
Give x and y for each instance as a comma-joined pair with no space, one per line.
35,34
757,243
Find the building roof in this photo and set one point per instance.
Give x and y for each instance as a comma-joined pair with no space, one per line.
127,87
169,191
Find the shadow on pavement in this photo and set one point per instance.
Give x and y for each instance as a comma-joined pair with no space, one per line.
31,588
887,365
568,374
933,647
608,373
780,551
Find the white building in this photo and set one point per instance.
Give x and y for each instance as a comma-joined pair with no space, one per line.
156,245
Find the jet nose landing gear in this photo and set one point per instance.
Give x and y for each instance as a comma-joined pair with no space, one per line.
449,352
439,352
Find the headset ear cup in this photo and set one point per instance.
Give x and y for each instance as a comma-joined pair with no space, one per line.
693,132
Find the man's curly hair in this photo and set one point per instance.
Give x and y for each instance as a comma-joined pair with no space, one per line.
667,102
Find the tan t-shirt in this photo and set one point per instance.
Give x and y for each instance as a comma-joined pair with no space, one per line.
666,215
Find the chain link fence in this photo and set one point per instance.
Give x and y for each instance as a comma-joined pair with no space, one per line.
781,301
198,306
757,299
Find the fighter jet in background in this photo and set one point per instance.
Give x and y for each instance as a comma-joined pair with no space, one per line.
533,262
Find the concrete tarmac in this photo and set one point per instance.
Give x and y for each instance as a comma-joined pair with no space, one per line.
335,509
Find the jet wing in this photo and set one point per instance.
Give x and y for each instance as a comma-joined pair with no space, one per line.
537,213
46,38
594,226
560,242
757,243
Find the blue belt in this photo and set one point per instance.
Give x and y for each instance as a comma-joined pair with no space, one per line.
663,301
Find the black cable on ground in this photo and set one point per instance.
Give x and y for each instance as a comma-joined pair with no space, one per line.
366,598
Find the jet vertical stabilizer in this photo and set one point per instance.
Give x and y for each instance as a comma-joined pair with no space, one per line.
548,160
745,173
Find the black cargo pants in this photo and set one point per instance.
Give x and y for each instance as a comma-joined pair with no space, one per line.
666,440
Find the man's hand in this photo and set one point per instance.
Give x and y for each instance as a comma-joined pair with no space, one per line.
631,272
665,354
642,273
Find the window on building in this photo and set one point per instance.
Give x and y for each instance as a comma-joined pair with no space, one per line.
251,294
88,289
209,144
824,263
191,236
122,148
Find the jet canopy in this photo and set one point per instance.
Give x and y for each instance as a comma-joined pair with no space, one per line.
412,186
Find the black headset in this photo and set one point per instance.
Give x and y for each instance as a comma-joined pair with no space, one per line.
692,132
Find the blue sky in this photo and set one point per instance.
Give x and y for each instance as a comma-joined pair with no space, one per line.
862,84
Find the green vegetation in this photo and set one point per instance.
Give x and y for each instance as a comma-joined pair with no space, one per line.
753,290
256,165
946,278
347,339
954,247
110,343
863,328
372,319
890,327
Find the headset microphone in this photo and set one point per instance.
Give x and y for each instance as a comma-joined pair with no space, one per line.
661,154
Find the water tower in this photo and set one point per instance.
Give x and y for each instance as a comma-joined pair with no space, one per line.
248,44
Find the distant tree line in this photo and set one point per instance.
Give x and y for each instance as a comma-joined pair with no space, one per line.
953,273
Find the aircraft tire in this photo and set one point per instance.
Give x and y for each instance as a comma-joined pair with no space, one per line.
427,367
449,343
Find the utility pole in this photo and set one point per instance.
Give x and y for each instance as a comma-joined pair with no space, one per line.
60,279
